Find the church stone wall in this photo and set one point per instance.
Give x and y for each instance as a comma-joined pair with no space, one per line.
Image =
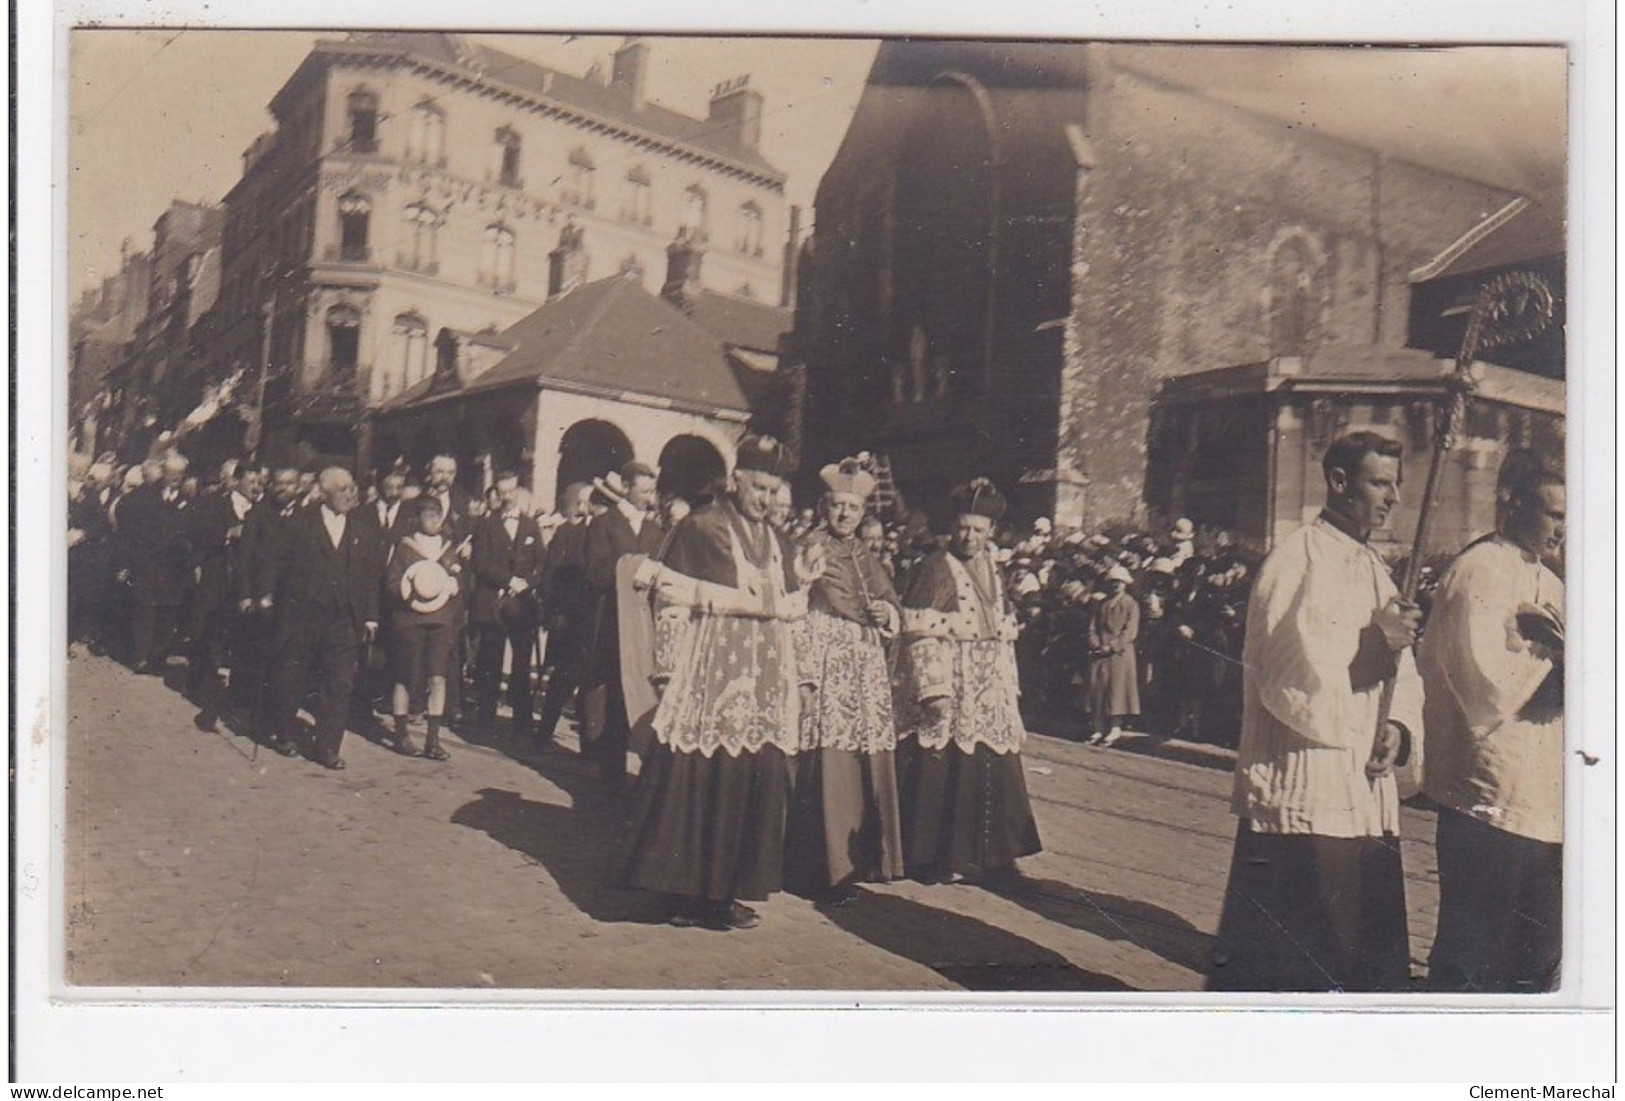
1209,236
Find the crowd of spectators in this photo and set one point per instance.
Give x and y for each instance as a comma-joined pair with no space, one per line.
1191,588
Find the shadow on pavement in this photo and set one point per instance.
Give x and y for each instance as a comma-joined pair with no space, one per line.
1113,917
964,950
573,843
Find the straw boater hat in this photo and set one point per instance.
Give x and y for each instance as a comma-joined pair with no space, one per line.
610,487
1120,573
848,477
979,497
429,585
1183,529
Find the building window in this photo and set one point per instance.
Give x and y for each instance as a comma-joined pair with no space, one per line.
750,229
421,248
343,339
412,347
508,148
355,211
578,173
636,205
363,109
497,259
694,212
426,135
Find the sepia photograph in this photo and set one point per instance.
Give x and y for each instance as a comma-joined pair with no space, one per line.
570,516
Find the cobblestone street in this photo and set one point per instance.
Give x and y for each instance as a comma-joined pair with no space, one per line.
198,859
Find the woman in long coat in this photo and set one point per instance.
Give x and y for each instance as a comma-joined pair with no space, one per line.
1114,679
844,824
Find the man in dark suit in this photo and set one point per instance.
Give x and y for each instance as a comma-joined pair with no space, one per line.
265,534
387,520
441,484
217,522
387,516
630,526
507,565
566,607
155,559
325,586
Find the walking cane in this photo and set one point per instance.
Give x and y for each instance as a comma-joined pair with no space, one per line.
1512,307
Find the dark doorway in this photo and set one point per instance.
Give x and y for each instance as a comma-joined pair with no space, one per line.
591,449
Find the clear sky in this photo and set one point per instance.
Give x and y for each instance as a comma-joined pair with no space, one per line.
161,114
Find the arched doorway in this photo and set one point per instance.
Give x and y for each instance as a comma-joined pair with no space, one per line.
691,468
590,449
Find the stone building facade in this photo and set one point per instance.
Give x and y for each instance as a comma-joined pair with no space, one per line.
1018,242
101,326
159,376
1239,448
419,182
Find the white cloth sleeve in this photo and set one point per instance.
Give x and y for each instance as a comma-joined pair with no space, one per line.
1490,668
1305,629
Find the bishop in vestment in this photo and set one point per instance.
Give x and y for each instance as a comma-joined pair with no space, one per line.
707,820
964,796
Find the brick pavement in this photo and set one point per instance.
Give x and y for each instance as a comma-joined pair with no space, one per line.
194,860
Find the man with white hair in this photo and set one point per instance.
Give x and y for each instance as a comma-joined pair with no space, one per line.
155,559
324,585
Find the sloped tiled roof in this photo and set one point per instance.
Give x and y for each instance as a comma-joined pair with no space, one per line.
613,335
604,101
742,323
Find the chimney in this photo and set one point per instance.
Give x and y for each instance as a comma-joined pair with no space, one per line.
567,264
683,256
630,70
792,249
737,109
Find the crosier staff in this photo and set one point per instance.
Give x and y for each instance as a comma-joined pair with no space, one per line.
1512,307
